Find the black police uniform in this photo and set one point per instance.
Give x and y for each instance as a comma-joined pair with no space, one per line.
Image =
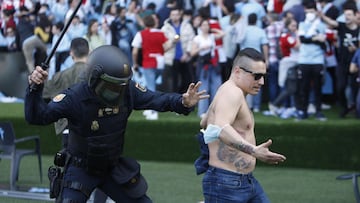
97,136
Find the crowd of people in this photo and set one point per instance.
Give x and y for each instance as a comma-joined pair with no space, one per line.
222,47
308,45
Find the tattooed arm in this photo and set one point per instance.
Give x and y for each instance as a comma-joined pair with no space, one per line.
260,152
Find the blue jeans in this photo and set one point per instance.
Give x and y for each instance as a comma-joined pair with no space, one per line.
273,81
254,101
257,98
150,75
222,186
125,46
210,81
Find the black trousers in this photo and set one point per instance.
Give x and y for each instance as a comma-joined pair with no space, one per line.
290,88
344,79
182,76
311,77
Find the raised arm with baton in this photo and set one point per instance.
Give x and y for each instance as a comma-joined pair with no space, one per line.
45,64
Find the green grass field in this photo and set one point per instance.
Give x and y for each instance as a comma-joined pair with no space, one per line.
178,183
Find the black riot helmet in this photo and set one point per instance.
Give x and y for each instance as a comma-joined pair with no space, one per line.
110,73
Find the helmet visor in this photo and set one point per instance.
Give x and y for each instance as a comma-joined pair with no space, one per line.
111,90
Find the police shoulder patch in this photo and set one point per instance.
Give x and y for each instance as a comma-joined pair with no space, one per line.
140,87
59,97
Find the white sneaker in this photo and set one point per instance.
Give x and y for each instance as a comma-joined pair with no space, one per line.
152,116
268,113
273,109
146,112
325,106
311,109
288,113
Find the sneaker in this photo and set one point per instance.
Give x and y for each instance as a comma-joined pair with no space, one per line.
152,116
300,115
268,113
320,116
256,110
288,113
311,109
146,112
325,106
273,109
281,110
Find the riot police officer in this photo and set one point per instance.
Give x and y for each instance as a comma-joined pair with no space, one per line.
98,111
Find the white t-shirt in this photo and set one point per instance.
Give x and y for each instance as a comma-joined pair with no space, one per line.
208,41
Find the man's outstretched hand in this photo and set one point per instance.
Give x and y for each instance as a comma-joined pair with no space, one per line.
192,96
263,153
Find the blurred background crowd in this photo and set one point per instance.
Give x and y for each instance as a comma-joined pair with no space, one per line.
311,47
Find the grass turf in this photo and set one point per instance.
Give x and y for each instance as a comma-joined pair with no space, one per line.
177,182
171,182
307,144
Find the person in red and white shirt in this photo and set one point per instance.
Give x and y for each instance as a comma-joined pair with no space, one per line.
153,43
17,4
288,39
289,44
275,6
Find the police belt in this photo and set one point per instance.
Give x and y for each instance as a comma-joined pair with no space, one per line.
78,162
96,153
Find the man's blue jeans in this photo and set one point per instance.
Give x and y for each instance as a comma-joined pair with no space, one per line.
222,186
274,88
150,75
210,81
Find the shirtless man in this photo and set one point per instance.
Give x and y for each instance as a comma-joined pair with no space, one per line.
230,135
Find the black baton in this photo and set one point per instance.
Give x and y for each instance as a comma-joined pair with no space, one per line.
45,64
